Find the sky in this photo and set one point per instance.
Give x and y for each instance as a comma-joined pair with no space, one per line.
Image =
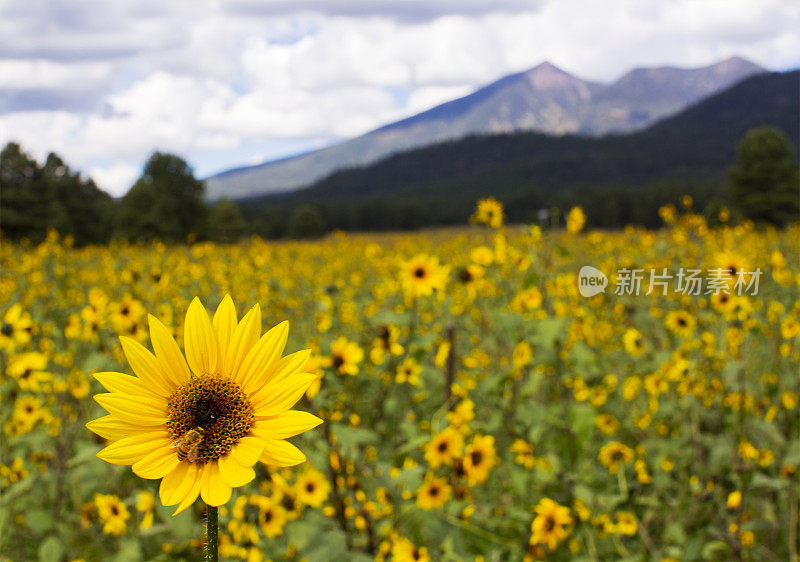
226,83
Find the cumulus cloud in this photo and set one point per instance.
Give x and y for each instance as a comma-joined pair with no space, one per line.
221,83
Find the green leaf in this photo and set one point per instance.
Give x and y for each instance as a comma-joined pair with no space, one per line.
51,550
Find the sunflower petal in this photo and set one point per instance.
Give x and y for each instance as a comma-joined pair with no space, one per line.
281,453
287,424
247,450
233,473
138,410
133,448
192,492
157,464
168,353
224,324
146,367
243,339
287,366
214,490
263,354
126,384
199,340
175,485
276,398
112,428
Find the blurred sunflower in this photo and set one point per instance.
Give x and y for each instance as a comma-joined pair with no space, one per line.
551,524
345,356
613,454
633,342
680,322
444,448
489,211
16,328
423,274
201,423
434,493
479,458
403,550
312,487
576,218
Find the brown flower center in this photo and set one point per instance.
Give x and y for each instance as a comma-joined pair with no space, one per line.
215,405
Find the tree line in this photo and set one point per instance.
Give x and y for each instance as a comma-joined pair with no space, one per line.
168,203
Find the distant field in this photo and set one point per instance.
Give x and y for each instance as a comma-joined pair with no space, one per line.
476,406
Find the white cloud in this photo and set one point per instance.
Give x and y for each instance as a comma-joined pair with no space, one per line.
207,77
116,178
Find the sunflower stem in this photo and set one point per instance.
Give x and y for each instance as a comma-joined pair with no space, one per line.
212,544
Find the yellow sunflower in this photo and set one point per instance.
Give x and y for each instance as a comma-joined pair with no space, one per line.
16,328
551,524
434,493
312,487
680,322
613,454
201,423
423,274
479,458
444,448
488,211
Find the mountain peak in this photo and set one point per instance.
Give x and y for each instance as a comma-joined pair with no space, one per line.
736,64
547,75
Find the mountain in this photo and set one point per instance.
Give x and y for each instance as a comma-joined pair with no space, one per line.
618,178
543,99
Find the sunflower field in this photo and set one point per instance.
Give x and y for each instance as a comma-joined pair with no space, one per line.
475,405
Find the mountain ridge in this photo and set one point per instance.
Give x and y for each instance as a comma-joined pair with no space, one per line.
544,98
625,176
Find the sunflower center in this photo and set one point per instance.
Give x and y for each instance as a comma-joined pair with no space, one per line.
476,457
217,406
419,273
549,524
7,329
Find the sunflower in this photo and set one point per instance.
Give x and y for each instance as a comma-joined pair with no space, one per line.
633,342
576,218
423,274
434,493
201,423
732,263
312,487
551,524
479,458
385,343
723,302
680,323
626,523
345,356
408,371
524,452
113,514
29,370
613,454
403,550
16,328
488,211
444,448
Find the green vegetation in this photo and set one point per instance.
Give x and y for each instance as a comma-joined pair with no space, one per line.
165,203
36,197
765,182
